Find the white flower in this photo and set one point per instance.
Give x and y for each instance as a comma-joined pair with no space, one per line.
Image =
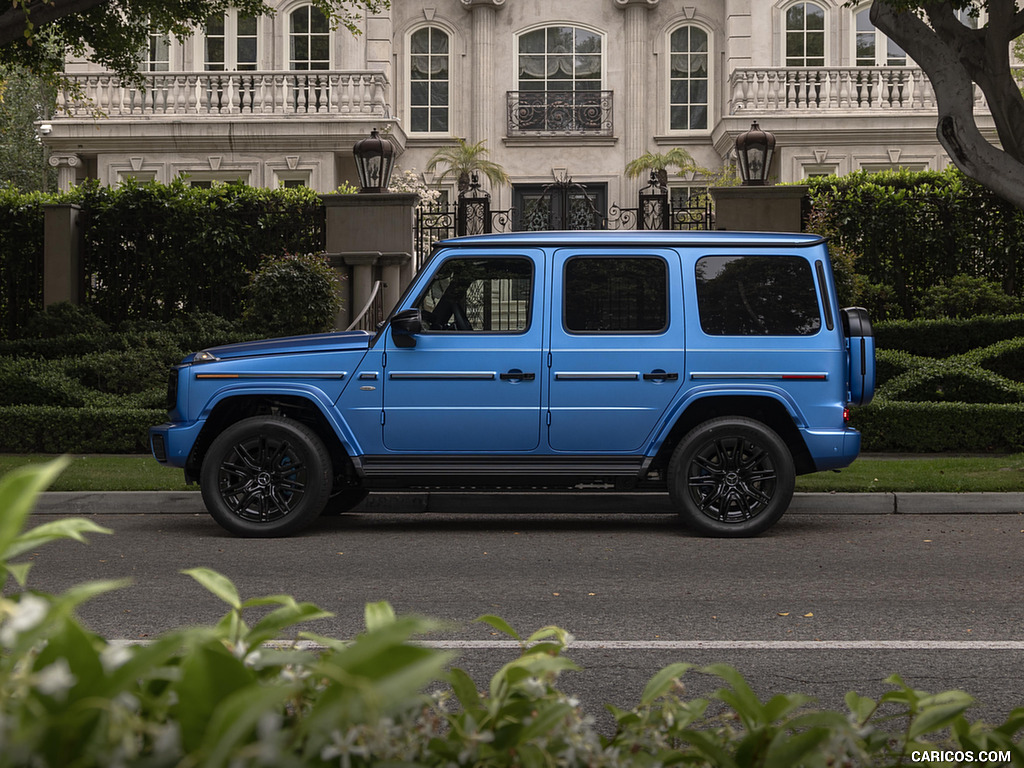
56,679
28,613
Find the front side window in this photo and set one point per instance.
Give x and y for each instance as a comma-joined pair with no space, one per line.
486,295
805,35
873,48
429,81
757,296
688,79
309,39
615,295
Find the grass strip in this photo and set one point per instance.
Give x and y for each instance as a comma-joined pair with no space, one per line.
892,473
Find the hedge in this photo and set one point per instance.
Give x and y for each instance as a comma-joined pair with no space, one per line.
940,427
154,251
914,230
52,429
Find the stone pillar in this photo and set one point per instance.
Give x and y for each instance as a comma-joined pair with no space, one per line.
482,88
370,237
761,209
62,278
636,107
66,164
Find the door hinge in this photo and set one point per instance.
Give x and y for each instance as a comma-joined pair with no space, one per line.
549,359
382,418
549,418
384,360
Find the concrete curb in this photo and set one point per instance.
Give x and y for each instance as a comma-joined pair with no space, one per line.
509,502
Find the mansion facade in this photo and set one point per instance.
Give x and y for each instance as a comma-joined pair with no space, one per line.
558,91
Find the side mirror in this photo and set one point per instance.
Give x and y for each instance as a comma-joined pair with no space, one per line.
404,325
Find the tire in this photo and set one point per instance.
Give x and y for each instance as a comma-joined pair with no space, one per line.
265,476
731,477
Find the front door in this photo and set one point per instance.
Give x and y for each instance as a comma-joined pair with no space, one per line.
616,348
472,382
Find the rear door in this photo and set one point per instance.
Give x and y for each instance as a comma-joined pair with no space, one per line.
472,382
616,355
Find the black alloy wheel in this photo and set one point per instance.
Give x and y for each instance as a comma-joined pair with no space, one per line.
266,476
731,477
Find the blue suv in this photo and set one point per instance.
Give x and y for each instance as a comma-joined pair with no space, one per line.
714,365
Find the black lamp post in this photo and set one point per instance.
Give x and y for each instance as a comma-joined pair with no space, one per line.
754,150
375,159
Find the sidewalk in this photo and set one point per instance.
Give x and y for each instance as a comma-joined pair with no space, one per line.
512,502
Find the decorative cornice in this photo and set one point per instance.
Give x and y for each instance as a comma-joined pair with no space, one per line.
472,5
626,3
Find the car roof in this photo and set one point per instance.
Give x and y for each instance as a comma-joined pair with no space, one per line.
650,238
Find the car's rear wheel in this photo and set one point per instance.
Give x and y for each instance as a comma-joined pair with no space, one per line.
731,477
266,476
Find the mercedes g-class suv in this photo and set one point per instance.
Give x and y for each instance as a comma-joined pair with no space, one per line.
713,365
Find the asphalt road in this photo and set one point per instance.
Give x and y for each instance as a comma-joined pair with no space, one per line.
836,597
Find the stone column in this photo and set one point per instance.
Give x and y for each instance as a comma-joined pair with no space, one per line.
66,164
370,237
62,279
761,209
636,108
482,89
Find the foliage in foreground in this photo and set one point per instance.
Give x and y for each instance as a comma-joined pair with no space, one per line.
256,693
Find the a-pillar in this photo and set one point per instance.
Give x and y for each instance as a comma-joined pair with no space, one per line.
637,106
66,164
482,88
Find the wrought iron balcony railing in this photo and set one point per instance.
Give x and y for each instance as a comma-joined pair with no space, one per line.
231,93
833,89
560,113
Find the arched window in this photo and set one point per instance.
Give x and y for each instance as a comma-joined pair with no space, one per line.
805,35
874,49
309,39
231,42
560,59
429,81
688,79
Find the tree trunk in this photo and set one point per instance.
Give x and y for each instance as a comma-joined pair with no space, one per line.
955,58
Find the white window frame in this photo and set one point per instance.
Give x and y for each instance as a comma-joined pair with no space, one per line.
786,32
669,79
433,27
880,42
555,24
290,60
231,38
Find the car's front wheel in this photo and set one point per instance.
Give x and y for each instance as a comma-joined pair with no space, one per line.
731,477
266,476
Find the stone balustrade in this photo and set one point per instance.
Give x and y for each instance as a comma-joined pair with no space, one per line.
833,89
355,94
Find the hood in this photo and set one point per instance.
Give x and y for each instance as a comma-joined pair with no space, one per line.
317,342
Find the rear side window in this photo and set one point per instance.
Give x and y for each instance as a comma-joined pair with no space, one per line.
616,295
757,296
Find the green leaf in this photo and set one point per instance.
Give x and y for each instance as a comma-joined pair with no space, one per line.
499,624
938,711
18,491
219,585
465,690
378,615
70,528
663,681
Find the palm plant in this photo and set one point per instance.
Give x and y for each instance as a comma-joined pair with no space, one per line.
462,159
660,162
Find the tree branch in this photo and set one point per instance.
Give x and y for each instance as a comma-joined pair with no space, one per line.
14,21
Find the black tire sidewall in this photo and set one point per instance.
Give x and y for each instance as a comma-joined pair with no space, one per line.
752,430
314,457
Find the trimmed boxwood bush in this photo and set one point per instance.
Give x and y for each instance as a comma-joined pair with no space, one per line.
52,429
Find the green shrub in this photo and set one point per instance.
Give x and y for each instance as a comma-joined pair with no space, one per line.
915,427
291,295
965,296
946,337
64,319
52,429
222,695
